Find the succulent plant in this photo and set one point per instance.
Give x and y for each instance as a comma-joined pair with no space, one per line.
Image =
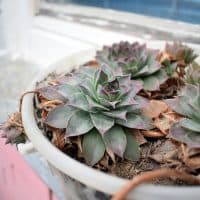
12,129
11,134
135,59
179,53
100,106
187,104
192,74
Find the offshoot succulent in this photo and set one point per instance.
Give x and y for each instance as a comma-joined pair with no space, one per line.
135,59
12,129
176,55
101,107
192,74
187,104
179,53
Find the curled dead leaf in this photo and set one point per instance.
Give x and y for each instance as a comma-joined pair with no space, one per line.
54,82
50,104
153,134
78,142
44,114
164,56
172,116
111,154
163,124
190,157
92,63
58,138
193,163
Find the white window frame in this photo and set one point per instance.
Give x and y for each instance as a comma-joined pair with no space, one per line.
51,38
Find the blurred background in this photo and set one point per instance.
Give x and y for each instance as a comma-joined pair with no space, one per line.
183,10
35,34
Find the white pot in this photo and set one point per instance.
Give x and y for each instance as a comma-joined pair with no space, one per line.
100,181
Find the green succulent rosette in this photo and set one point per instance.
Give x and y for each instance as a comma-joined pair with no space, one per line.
102,107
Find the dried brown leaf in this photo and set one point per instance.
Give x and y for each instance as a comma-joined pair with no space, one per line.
166,152
163,124
190,157
164,56
111,154
172,116
58,139
155,108
92,63
153,134
78,142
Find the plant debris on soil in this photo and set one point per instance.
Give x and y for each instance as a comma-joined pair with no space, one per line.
157,148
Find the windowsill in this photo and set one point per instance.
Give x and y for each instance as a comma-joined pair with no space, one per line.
145,27
54,39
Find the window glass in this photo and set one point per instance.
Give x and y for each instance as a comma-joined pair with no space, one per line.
182,10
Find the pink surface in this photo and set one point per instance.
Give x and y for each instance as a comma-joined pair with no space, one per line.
17,180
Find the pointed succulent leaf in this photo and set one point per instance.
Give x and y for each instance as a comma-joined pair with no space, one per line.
154,81
190,92
192,74
132,151
186,103
136,121
79,123
111,105
128,100
67,90
95,105
190,124
191,138
79,100
187,130
175,104
88,87
59,116
115,139
180,106
93,147
101,77
117,114
87,72
51,93
101,122
127,85
141,102
151,83
134,59
169,67
151,58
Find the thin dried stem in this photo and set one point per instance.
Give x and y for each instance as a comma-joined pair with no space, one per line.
22,97
51,103
148,176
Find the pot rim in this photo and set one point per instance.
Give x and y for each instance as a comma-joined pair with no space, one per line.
91,177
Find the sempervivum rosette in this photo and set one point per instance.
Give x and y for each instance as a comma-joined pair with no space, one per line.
134,59
187,104
192,74
100,107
